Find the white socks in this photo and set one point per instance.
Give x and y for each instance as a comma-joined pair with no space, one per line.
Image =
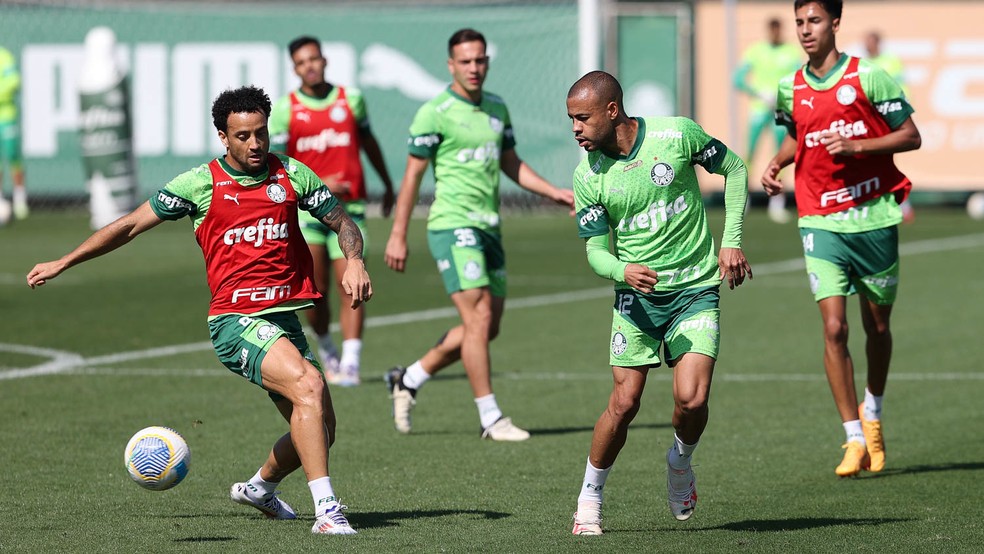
488,410
351,353
872,406
324,496
594,482
853,430
680,454
259,488
415,377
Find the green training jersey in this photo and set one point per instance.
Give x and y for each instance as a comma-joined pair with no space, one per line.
651,204
762,66
464,141
190,194
9,84
887,97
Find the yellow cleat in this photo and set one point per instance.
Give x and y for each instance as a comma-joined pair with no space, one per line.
876,442
855,459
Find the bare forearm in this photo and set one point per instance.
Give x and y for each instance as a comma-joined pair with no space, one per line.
900,140
787,152
375,155
113,236
349,236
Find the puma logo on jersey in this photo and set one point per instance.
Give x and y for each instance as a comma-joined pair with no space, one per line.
303,116
805,102
233,198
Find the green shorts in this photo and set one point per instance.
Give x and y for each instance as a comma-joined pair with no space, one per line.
242,342
681,321
840,264
10,144
469,258
318,234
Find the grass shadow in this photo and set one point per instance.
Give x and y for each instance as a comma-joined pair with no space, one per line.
773,525
206,539
567,430
371,520
927,468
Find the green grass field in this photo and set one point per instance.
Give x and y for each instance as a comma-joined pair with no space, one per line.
120,343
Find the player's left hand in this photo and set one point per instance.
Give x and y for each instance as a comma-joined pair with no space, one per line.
733,266
837,145
356,282
564,197
41,273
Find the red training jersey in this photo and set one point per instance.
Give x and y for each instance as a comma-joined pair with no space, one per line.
327,141
828,184
250,260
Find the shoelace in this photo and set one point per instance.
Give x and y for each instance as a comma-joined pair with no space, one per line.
273,503
681,495
877,441
336,516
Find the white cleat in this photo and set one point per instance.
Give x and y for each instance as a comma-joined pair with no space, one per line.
587,518
348,376
504,430
403,399
272,507
333,522
681,486
332,367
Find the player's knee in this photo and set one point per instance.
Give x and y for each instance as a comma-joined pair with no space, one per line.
835,330
692,403
624,405
307,389
493,331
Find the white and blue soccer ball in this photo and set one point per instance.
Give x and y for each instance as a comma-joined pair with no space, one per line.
157,458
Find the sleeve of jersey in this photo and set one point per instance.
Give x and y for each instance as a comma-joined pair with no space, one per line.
174,201
592,217
602,261
312,194
279,125
357,103
425,133
784,105
886,95
735,196
508,135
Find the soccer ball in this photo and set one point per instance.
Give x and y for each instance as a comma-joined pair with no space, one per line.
157,458
975,205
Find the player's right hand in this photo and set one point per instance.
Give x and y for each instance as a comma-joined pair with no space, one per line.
770,179
40,274
396,253
641,278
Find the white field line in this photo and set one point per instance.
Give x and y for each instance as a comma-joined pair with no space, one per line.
62,362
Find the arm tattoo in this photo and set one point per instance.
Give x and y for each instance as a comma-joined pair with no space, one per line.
349,236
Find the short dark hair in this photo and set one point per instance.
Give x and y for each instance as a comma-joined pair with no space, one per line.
603,84
833,7
301,42
247,99
464,35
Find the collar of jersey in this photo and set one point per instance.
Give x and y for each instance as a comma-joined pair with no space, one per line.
239,176
834,71
640,136
318,101
464,99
